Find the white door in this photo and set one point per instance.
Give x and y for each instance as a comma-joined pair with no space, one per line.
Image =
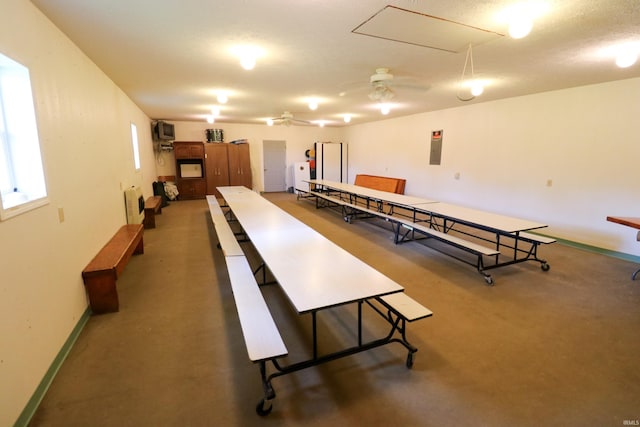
275,165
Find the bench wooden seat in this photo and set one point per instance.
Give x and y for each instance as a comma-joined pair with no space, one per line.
537,238
226,238
405,306
152,206
454,240
261,335
101,273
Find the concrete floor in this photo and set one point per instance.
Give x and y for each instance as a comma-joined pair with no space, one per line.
556,348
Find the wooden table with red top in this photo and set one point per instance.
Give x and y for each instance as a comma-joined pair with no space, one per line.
633,222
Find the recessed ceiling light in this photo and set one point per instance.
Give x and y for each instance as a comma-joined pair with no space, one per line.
222,97
313,104
347,118
520,27
248,55
519,17
627,58
269,122
385,109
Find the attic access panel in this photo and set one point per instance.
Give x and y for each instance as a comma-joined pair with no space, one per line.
406,26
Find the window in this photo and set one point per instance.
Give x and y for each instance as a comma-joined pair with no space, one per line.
134,143
22,184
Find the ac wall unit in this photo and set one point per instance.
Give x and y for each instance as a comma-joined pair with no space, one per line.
134,203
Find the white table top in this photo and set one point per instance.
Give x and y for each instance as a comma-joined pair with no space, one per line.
484,219
474,217
398,199
314,272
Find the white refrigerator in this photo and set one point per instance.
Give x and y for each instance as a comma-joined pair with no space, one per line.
301,173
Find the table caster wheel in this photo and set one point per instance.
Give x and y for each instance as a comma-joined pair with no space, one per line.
410,360
261,410
545,267
489,280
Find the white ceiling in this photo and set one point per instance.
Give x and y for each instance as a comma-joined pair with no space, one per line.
170,57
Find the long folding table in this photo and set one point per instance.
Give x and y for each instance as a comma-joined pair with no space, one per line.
314,273
508,235
629,221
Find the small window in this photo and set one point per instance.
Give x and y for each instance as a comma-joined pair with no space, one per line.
134,143
22,183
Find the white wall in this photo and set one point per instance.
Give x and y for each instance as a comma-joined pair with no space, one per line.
586,140
298,140
84,127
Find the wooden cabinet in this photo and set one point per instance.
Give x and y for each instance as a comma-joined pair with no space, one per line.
192,188
239,165
217,167
227,164
188,150
190,169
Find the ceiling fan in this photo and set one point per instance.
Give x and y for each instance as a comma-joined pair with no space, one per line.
380,84
287,119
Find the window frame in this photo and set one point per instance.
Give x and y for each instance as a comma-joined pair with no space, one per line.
30,161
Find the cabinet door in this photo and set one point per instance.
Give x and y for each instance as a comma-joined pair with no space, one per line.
181,151
188,150
239,165
216,167
193,188
196,150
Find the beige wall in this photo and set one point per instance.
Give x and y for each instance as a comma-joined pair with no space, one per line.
83,122
586,140
298,140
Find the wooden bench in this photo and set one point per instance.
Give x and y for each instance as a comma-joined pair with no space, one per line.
261,335
382,183
152,206
101,273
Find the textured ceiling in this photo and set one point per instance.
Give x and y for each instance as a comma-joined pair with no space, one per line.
171,57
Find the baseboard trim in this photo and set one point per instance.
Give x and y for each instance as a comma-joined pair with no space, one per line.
30,409
595,249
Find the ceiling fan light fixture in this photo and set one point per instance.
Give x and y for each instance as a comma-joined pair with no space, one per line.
472,86
477,88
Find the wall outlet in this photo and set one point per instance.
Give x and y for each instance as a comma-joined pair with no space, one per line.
549,183
457,175
61,215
